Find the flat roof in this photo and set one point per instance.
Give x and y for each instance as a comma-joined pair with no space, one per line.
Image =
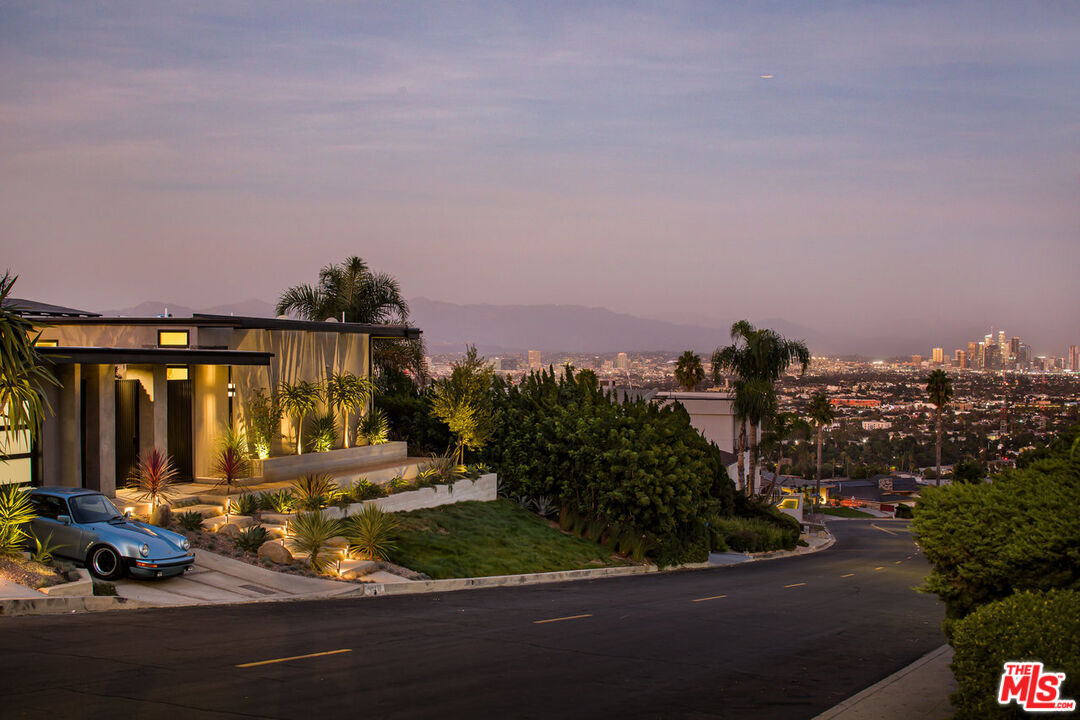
67,355
243,322
40,309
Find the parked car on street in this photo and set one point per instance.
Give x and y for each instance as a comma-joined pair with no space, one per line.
90,530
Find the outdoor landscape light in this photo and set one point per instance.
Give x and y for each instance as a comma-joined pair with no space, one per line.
231,389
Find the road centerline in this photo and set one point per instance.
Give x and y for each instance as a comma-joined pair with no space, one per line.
848,575
560,619
712,597
794,585
294,657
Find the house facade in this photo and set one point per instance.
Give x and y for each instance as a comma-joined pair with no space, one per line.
128,384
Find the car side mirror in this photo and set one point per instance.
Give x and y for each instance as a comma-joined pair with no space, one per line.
63,519
127,514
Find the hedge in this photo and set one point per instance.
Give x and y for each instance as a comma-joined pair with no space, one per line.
1043,626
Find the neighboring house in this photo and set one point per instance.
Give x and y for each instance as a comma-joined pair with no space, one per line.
711,413
174,383
888,489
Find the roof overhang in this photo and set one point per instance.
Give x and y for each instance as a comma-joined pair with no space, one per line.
249,323
152,356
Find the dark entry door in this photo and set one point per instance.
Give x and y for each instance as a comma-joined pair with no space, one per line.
127,428
180,445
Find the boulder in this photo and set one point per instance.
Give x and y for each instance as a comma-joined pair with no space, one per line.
228,530
275,552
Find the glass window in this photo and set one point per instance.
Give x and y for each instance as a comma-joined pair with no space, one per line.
172,338
46,343
93,508
48,506
176,373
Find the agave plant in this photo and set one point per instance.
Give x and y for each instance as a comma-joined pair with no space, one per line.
364,489
15,512
245,504
322,434
310,533
374,428
154,474
545,507
314,490
44,549
190,520
251,539
371,533
444,469
398,484
281,501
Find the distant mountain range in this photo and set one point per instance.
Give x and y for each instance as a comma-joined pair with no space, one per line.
497,329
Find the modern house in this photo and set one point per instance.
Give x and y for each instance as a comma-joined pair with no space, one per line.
713,415
173,383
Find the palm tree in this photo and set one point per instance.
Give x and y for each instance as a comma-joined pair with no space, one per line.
689,371
820,413
23,375
345,392
939,390
755,400
299,399
763,356
782,428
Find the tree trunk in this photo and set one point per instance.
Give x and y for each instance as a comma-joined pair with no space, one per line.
299,436
345,430
752,479
742,454
938,479
817,491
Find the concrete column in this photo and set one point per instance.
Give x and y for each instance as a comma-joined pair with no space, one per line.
160,433
49,440
211,414
106,414
69,414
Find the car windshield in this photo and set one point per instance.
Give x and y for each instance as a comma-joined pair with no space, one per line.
93,508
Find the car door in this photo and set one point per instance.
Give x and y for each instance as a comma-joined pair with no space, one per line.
68,538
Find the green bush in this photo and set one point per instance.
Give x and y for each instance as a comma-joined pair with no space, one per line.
245,504
986,541
190,520
102,588
751,535
904,511
363,489
1043,626
371,532
252,538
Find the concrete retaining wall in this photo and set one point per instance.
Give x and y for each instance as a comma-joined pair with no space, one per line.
334,462
484,489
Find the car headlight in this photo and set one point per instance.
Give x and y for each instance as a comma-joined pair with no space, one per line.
184,544
144,550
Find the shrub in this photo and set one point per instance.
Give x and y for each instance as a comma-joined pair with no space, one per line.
374,428
104,588
263,413
252,538
245,504
364,489
475,470
44,549
281,501
154,475
314,491
309,533
750,535
371,533
398,484
544,507
1043,626
15,512
190,520
442,470
323,435
264,500
904,511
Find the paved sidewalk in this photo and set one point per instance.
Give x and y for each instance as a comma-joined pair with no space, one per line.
218,579
10,590
921,690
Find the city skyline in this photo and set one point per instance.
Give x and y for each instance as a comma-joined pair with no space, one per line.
897,159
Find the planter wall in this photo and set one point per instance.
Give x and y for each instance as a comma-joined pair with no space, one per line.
333,462
484,488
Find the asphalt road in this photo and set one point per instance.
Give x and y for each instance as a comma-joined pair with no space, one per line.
779,639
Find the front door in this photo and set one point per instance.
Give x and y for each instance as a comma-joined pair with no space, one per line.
180,445
127,429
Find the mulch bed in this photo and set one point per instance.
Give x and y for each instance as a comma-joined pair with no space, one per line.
31,574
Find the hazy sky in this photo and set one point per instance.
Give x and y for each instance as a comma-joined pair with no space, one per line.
906,165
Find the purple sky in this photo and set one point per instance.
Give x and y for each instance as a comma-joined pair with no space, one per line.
909,165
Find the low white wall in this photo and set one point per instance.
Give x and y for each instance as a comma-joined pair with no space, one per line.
333,462
484,488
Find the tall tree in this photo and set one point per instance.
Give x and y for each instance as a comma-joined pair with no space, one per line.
299,399
782,427
345,392
352,291
23,374
820,413
940,391
689,371
464,402
762,356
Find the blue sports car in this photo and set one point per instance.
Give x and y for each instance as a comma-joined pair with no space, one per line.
90,530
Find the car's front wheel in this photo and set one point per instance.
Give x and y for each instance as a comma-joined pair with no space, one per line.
105,563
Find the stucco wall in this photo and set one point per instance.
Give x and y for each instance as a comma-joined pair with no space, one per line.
484,489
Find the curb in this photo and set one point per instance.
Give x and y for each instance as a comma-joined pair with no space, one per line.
881,685
417,587
63,605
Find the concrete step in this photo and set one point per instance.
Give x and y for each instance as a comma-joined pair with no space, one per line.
207,511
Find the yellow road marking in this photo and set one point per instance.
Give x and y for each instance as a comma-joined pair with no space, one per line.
571,617
899,561
848,575
294,657
876,527
880,567
794,585
714,597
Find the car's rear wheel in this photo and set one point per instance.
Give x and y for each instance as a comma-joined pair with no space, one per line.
105,563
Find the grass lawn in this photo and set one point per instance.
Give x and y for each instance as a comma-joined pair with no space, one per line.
845,512
474,539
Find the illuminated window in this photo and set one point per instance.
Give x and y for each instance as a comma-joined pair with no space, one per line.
176,373
172,338
46,343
